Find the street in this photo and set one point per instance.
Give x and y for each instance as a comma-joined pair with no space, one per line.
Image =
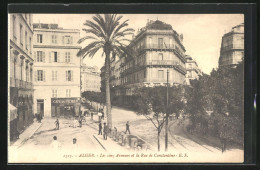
180,141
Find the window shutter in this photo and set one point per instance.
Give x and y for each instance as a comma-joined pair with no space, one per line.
58,56
35,76
56,74
49,57
52,75
64,57
43,75
66,75
71,75
71,58
43,56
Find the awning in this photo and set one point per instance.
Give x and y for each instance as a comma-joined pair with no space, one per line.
12,112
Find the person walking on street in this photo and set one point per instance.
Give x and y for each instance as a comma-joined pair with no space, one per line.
127,127
105,129
57,123
103,115
40,117
100,128
80,121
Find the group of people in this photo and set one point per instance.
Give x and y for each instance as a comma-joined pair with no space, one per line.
107,130
38,117
56,145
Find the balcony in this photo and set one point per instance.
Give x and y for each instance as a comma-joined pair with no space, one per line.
20,84
175,64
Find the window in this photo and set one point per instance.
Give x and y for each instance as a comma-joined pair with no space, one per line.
54,75
14,27
150,41
54,39
26,43
68,92
39,38
69,75
67,57
39,56
21,34
67,39
40,75
54,93
160,57
160,43
160,74
55,57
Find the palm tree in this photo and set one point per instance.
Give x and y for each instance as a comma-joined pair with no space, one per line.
108,34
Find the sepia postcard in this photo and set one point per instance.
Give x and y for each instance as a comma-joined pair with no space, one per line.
125,88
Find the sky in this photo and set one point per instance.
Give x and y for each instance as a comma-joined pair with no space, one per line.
202,33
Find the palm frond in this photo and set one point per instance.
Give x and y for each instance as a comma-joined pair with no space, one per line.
122,25
87,37
95,27
83,51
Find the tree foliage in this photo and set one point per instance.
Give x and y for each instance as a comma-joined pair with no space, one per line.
151,102
222,92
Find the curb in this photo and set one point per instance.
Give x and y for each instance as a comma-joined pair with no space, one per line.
24,140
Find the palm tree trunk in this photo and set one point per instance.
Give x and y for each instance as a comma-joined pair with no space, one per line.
107,82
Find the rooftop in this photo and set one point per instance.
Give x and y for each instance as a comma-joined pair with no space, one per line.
50,26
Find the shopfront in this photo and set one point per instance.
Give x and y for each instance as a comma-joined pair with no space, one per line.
65,107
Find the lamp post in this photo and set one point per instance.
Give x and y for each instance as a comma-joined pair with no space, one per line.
167,114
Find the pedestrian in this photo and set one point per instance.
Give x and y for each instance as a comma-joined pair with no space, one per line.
91,115
40,117
127,127
100,128
102,117
55,144
75,145
74,123
80,122
105,131
57,123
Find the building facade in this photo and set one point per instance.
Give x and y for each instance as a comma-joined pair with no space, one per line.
90,78
57,70
157,48
232,46
21,70
193,71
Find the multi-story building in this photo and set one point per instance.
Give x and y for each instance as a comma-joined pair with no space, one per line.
157,49
20,70
57,70
193,71
90,77
232,46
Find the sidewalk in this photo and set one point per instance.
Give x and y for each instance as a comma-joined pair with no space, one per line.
109,144
29,131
